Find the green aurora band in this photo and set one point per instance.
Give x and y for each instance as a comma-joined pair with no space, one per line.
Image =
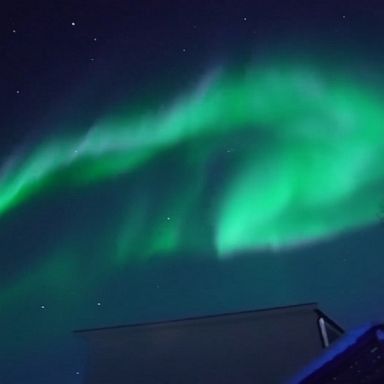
302,152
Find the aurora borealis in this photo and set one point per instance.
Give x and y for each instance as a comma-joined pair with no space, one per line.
160,161
309,163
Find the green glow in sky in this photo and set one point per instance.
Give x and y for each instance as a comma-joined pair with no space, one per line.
298,157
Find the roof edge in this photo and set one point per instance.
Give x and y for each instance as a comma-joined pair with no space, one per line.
311,305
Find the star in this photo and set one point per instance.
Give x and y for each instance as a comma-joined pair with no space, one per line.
344,17
99,304
95,39
92,59
13,30
17,91
42,306
73,23
244,18
168,218
184,50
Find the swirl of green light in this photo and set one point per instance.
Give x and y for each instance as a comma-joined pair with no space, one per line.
317,172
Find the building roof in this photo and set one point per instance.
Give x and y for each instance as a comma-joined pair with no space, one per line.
306,307
357,357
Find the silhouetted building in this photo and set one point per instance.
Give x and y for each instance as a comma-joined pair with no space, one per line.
264,346
356,358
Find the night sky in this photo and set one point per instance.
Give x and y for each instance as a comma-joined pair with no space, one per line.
161,160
